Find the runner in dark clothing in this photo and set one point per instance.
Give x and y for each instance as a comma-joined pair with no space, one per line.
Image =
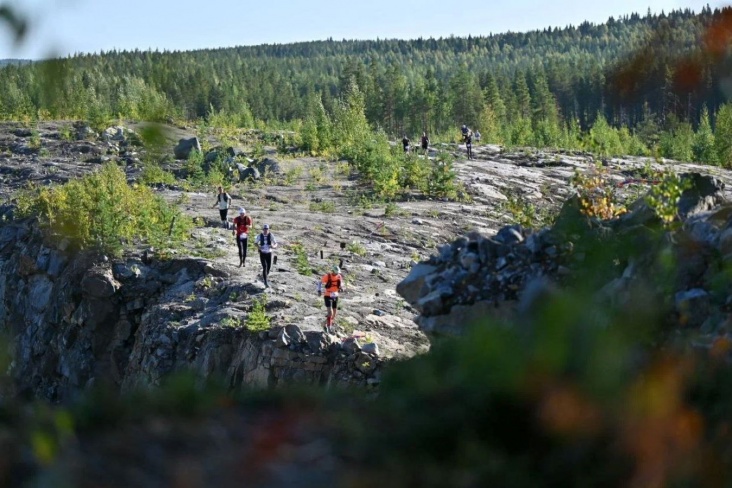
468,139
405,143
425,142
265,243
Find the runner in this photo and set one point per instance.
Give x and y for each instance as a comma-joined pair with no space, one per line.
405,143
265,242
223,200
242,224
425,142
331,284
468,139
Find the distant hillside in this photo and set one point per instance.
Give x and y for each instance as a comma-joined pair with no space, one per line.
561,75
5,62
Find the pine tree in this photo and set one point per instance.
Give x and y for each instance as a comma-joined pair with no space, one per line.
704,150
723,135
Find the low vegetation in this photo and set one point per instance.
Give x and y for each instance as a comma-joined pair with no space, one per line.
101,210
258,320
302,264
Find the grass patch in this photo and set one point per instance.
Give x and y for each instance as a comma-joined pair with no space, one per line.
326,206
232,322
356,248
292,175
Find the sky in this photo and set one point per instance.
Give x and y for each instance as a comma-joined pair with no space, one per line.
62,27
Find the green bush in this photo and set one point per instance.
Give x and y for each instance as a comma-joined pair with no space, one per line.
102,210
326,206
301,259
257,320
153,174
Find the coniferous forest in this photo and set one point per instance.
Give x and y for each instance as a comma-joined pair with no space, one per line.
654,84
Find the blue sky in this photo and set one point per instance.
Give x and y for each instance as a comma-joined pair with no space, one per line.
60,27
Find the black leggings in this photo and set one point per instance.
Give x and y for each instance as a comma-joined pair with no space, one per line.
242,245
223,213
266,259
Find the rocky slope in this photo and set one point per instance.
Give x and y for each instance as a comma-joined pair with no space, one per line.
78,319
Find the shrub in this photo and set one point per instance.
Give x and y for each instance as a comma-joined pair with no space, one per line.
525,213
153,174
664,197
326,206
257,320
102,210
597,194
301,259
356,248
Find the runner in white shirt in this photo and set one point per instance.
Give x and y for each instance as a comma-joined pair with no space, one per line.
223,200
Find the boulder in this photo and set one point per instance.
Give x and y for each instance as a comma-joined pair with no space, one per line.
99,283
704,193
248,173
410,288
463,316
269,165
371,348
185,146
116,134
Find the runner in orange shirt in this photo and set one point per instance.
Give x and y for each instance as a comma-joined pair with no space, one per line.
331,284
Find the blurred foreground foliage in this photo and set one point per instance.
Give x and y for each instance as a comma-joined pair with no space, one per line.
575,393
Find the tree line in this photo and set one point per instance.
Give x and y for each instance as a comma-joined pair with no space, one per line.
650,84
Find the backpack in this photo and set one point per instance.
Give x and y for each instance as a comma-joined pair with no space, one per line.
329,283
269,239
225,195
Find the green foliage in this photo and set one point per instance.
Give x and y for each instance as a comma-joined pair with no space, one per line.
442,177
391,210
356,248
153,174
597,194
525,213
603,139
723,136
677,142
66,133
236,322
704,146
35,139
664,197
102,210
258,320
194,167
302,264
324,206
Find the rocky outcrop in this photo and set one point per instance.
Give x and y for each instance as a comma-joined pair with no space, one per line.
79,319
478,278
185,146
